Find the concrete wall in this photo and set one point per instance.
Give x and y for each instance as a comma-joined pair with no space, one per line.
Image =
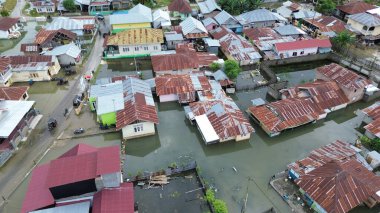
4,34
24,76
131,132
168,98
66,60
111,180
135,50
242,137
107,118
359,27
121,27
299,52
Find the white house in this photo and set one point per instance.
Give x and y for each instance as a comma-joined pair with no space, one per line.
302,47
43,6
5,71
161,19
193,28
134,43
66,54
259,18
34,68
139,116
8,27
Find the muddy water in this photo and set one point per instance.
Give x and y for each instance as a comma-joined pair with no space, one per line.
255,160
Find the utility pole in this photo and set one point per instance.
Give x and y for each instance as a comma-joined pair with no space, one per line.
246,196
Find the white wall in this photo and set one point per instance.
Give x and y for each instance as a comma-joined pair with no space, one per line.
147,129
167,98
139,49
4,34
24,76
289,53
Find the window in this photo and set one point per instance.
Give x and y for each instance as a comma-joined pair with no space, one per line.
126,49
302,52
155,48
365,27
145,48
138,128
137,48
371,29
24,96
294,53
33,75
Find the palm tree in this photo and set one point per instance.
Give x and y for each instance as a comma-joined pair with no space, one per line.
342,40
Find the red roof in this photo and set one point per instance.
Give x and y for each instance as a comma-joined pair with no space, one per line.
114,200
327,24
12,93
285,114
355,7
220,32
38,194
4,63
258,34
374,127
182,6
326,94
343,76
340,186
136,110
29,48
173,84
303,44
6,23
82,162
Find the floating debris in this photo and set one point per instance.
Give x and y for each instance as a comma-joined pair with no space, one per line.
234,169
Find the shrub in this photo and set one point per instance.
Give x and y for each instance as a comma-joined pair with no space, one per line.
4,13
219,205
214,66
231,68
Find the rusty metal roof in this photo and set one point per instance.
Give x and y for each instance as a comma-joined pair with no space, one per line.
12,93
258,34
185,58
325,94
182,6
44,36
327,24
19,59
224,115
339,186
286,114
373,111
6,23
4,63
343,76
355,7
137,36
374,127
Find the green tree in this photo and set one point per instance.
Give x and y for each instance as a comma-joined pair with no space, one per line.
4,13
69,5
342,41
236,7
231,68
325,6
214,66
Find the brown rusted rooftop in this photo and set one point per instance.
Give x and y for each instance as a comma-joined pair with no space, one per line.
137,36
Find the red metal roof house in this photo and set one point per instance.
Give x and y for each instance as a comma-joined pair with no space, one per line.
302,47
82,170
14,93
352,8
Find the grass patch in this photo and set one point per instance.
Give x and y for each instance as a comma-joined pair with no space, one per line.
9,5
6,44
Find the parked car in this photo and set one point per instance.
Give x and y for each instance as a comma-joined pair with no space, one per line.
78,131
77,100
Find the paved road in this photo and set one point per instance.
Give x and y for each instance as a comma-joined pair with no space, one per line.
30,28
17,11
14,172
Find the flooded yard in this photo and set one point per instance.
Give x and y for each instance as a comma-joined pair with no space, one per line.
177,141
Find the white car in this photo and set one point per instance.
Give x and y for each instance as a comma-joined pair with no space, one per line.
14,35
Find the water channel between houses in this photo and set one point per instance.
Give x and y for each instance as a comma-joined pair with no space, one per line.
256,160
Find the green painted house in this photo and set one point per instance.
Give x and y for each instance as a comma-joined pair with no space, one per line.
107,106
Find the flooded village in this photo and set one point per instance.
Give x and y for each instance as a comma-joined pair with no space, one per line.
190,106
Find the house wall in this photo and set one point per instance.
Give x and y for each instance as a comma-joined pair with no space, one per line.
342,106
45,9
131,131
172,44
182,16
175,72
214,50
352,95
121,27
289,53
167,98
38,75
359,27
4,34
92,101
242,137
107,118
5,78
135,50
66,60
56,67
262,24
111,180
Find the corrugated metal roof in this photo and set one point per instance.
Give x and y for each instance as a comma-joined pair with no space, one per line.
138,14
11,113
366,19
114,200
289,30
211,42
141,9
173,36
284,11
82,207
71,50
71,23
373,111
137,36
160,14
306,14
327,24
191,25
109,103
208,6
5,64
44,36
107,89
355,7
374,127
223,17
259,15
260,34
343,76
206,128
13,93
206,22
6,23
181,6
303,44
